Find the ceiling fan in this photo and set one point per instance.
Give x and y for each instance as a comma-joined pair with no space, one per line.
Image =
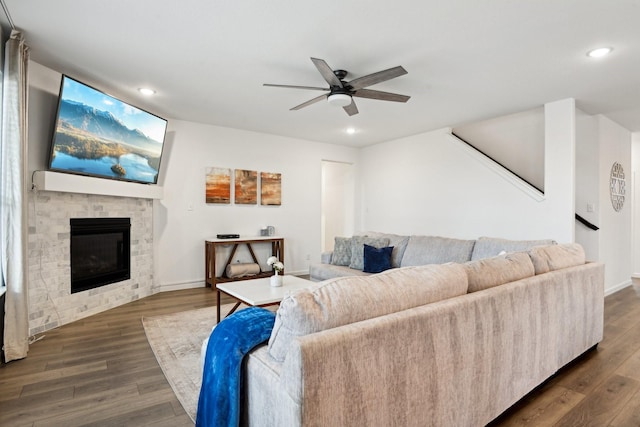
341,92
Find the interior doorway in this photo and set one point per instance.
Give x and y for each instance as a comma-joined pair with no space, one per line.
338,202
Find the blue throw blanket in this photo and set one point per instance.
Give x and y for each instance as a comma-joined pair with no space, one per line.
235,336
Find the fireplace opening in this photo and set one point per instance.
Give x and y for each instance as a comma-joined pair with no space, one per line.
100,252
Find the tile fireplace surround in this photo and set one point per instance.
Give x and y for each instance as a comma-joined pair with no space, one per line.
51,303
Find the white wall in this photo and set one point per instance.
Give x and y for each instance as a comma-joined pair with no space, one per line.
559,160
425,184
44,85
587,183
182,219
338,204
615,227
601,142
634,180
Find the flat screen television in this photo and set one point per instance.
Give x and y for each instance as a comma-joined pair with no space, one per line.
98,135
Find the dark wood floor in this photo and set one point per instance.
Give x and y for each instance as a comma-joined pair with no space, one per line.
601,388
100,371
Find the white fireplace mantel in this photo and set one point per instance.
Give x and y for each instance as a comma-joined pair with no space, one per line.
69,183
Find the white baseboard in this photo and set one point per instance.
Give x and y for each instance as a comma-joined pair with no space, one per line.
616,288
182,285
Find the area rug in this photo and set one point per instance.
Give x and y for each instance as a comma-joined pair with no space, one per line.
176,340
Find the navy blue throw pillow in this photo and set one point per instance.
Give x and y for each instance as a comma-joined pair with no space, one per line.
377,260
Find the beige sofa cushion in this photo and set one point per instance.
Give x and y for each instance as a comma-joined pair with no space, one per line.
345,300
555,257
490,272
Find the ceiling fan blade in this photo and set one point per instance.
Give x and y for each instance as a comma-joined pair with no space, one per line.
377,94
327,72
296,87
351,109
309,102
378,77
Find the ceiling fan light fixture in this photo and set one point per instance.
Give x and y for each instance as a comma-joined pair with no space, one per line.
339,99
340,93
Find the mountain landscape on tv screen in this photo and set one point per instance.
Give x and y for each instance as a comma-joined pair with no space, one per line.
92,141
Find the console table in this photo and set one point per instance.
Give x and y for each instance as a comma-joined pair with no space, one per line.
277,250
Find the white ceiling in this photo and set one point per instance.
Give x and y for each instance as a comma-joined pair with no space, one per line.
467,60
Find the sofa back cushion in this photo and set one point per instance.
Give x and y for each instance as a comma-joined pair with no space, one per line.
357,249
555,257
487,247
490,272
423,250
345,300
398,242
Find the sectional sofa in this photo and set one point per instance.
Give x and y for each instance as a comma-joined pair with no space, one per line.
454,344
347,258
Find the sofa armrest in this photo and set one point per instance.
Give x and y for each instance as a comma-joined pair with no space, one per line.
325,257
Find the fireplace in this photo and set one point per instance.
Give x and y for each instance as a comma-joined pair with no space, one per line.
100,252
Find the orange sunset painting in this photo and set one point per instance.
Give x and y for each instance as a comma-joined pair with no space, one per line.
218,188
270,188
246,186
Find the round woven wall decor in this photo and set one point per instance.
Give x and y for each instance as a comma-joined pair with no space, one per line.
617,186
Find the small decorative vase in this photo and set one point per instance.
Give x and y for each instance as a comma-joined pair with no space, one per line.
276,280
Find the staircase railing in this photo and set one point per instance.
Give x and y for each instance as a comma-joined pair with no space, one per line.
497,162
517,181
587,223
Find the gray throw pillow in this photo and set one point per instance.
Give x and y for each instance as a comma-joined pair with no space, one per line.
341,251
357,249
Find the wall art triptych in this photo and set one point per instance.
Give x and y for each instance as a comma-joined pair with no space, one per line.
245,185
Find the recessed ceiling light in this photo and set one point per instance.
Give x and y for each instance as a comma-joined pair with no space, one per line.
146,91
599,52
351,131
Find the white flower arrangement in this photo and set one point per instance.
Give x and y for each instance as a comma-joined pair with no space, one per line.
277,266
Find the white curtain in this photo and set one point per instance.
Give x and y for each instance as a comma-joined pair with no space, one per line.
13,209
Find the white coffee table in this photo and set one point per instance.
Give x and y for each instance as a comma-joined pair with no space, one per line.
259,292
